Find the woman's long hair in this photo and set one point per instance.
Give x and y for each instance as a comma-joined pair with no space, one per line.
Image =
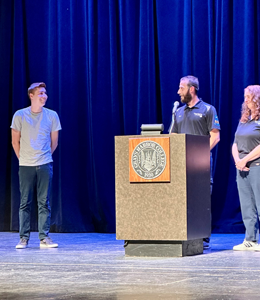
253,90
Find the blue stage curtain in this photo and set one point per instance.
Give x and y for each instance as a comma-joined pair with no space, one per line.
111,66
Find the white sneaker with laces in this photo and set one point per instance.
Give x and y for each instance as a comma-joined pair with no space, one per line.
247,246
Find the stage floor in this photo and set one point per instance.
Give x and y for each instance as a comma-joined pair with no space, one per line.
93,266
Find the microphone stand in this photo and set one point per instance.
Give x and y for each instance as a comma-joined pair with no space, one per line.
175,107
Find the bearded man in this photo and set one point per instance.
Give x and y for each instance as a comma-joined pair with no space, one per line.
196,117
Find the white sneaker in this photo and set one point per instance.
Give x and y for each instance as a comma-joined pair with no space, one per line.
247,246
23,243
48,243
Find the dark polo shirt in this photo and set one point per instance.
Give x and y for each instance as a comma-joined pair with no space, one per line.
197,120
247,137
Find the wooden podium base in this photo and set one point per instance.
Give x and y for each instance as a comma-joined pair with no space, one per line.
164,248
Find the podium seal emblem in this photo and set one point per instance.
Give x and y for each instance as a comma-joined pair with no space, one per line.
148,160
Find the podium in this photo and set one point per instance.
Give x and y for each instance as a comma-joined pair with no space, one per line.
167,217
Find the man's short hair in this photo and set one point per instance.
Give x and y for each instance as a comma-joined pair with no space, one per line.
34,86
192,81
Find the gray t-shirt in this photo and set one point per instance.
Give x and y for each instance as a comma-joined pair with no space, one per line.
35,142
247,137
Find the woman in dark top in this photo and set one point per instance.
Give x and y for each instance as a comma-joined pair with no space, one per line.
246,153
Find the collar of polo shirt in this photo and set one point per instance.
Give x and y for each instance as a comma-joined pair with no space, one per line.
195,106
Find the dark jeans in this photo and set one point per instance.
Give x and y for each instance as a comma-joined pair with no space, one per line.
248,184
41,177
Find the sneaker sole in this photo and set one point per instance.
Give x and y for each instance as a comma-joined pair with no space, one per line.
246,249
207,248
49,246
20,247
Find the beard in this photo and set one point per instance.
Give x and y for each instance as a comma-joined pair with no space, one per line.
187,98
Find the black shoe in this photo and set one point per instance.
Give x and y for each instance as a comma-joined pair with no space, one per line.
206,244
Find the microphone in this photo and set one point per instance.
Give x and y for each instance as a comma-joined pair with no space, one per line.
175,107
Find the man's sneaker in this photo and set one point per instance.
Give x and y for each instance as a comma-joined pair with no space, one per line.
246,246
23,243
206,244
48,243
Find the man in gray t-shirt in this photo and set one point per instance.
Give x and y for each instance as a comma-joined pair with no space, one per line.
35,131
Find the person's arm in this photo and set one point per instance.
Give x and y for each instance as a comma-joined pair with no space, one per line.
214,138
16,136
255,153
240,164
54,140
235,153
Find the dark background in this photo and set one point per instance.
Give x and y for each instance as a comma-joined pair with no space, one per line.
110,66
